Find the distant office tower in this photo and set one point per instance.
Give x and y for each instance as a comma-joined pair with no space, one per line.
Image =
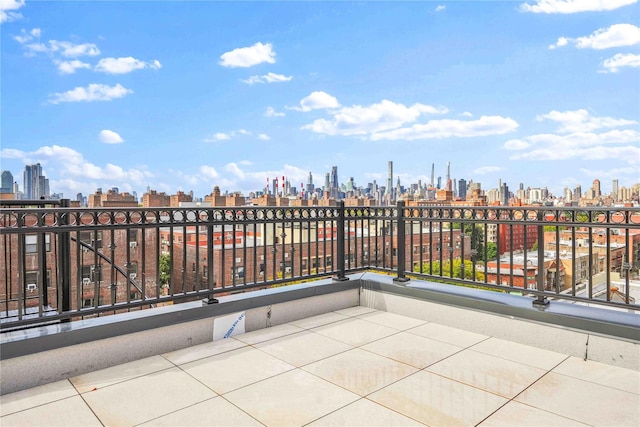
462,189
521,186
433,171
448,171
334,177
6,185
504,193
310,186
390,179
577,193
274,184
567,194
596,188
327,186
36,185
614,189
439,182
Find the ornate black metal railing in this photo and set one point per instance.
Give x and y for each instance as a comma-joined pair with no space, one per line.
62,263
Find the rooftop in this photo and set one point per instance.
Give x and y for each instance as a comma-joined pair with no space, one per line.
363,364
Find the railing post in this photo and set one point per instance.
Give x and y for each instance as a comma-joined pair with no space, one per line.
340,239
401,236
64,259
540,299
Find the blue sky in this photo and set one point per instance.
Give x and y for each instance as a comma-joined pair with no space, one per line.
189,95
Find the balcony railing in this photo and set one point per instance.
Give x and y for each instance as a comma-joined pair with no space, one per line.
63,264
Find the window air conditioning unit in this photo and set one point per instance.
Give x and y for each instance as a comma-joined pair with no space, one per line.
133,276
31,287
133,244
86,281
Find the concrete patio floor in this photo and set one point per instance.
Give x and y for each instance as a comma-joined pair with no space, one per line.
351,367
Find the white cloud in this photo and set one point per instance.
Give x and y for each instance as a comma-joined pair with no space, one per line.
71,50
234,169
611,173
616,35
93,92
358,120
440,8
222,136
268,78
466,114
62,48
574,6
516,144
124,65
70,67
7,8
110,137
622,145
219,136
270,112
317,100
446,128
67,163
562,41
487,169
582,121
208,171
264,137
25,36
620,60
249,56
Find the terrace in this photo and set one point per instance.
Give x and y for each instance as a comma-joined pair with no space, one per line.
332,316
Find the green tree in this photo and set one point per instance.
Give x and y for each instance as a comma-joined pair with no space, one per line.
458,266
164,265
491,252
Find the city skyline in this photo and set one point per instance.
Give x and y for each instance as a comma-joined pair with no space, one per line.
178,96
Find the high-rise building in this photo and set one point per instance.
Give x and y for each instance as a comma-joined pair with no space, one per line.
6,182
327,185
462,189
596,188
334,177
310,186
448,171
433,170
390,180
614,189
577,193
36,185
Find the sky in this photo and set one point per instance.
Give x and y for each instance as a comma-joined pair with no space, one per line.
190,95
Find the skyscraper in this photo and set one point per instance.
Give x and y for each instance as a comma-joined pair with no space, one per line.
432,183
7,182
596,188
462,189
390,179
36,185
334,177
310,186
614,189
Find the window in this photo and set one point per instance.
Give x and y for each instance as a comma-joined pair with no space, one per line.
329,259
31,278
92,238
88,302
133,236
204,271
31,243
92,272
132,269
238,272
